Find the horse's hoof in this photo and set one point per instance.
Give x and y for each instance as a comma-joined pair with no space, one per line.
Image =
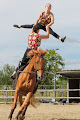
15,119
21,117
9,118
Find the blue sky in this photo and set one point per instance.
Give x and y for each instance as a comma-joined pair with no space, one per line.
13,41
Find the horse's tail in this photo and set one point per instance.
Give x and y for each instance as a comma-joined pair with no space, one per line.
33,101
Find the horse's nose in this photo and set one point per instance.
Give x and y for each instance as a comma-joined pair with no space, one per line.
39,77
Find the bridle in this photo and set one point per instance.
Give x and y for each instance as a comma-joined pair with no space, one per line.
35,67
36,63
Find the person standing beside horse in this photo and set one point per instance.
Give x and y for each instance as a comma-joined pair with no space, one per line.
45,20
34,41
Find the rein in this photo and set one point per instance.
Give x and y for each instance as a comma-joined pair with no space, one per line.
35,67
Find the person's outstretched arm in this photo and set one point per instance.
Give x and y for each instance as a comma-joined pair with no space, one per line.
38,19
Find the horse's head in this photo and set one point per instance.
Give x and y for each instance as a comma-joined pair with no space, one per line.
39,61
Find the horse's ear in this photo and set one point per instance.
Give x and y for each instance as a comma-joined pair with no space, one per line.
35,52
30,54
44,52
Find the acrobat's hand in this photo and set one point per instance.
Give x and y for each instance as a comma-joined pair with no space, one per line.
17,26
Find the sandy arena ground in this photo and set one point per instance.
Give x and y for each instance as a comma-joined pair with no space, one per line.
44,111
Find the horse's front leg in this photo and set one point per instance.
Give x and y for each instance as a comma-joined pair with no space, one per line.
24,106
14,104
20,100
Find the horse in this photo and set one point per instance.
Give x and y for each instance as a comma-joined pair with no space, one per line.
27,81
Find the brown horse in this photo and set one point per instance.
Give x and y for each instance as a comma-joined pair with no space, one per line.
27,81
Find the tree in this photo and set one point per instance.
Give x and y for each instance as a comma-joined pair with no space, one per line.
61,80
5,74
53,63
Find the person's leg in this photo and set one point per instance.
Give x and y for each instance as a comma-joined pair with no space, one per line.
56,35
23,26
43,27
25,59
24,63
52,33
27,26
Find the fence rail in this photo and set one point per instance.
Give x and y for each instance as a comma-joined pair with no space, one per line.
6,97
46,90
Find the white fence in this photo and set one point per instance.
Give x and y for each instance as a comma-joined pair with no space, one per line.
5,95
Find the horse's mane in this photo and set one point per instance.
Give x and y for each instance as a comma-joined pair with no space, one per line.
38,52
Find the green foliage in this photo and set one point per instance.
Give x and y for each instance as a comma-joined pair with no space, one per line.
53,63
5,74
61,81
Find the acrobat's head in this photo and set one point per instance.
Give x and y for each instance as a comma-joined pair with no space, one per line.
36,28
48,6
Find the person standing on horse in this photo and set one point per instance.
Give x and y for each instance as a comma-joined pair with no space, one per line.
34,41
45,20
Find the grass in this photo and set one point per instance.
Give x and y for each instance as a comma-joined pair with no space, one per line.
45,94
38,94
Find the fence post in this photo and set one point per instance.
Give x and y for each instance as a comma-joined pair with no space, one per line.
62,90
6,96
67,90
55,86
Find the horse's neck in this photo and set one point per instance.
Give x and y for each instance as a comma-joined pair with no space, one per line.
30,66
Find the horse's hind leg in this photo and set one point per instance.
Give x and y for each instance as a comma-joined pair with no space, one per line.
24,106
14,104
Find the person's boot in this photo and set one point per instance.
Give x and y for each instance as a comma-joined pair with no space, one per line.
13,76
17,26
16,73
62,39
